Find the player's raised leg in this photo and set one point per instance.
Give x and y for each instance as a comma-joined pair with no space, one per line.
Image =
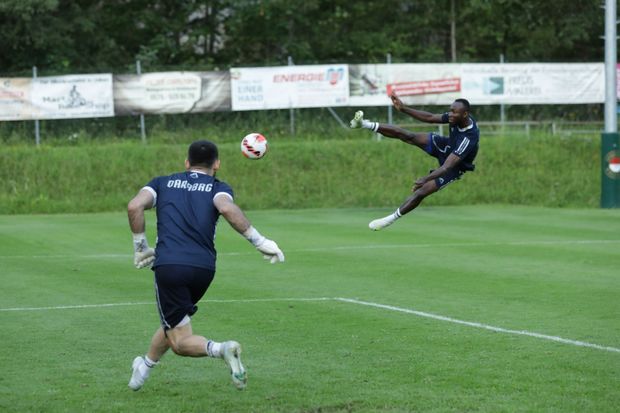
389,131
185,343
410,204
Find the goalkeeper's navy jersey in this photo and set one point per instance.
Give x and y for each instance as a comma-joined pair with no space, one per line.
186,218
463,143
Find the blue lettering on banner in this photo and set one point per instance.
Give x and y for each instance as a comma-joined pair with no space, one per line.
182,184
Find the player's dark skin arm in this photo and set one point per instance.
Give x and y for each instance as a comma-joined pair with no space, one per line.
451,161
420,115
426,186
412,138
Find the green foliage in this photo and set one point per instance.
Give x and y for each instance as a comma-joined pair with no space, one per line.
304,173
62,36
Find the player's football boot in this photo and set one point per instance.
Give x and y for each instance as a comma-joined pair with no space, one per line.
356,122
381,223
231,352
140,373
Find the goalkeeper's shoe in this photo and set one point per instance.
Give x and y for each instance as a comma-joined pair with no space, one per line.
357,120
140,373
231,353
381,223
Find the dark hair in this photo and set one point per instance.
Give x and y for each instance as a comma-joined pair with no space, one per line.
464,102
202,153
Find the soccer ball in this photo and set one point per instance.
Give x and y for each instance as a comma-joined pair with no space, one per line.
254,146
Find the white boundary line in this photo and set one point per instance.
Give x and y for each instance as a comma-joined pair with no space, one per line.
479,325
350,301
153,303
351,247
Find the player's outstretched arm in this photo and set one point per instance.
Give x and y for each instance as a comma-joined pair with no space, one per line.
420,115
143,255
451,161
237,219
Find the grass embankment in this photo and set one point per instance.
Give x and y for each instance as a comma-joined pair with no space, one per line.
304,173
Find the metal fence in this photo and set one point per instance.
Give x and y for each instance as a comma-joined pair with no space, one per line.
525,128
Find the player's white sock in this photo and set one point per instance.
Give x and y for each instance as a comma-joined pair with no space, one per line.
358,121
373,126
381,223
141,372
150,363
214,349
394,216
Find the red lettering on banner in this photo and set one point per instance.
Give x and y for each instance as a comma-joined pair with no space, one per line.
299,77
425,87
11,94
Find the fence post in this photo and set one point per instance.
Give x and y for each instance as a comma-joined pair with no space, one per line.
142,128
502,107
37,130
291,110
389,62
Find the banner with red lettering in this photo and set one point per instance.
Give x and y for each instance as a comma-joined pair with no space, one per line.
285,87
416,84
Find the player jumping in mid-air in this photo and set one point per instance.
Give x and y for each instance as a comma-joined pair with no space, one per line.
455,153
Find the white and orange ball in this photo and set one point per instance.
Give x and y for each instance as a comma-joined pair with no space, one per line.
254,146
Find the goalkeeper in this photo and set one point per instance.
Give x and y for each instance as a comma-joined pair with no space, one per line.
455,153
188,206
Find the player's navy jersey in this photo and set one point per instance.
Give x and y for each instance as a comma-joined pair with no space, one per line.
186,218
463,143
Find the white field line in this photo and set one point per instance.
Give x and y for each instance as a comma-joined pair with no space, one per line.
479,325
84,306
351,301
345,248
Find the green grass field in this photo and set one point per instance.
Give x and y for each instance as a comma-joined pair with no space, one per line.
351,322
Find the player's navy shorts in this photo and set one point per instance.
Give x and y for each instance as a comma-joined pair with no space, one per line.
439,147
178,288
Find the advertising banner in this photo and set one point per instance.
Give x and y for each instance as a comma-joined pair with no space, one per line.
15,98
71,97
416,84
59,97
172,92
534,83
285,87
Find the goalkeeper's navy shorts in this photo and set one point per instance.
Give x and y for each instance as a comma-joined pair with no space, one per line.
178,288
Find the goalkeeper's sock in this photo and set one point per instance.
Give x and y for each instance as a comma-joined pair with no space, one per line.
150,363
373,126
213,349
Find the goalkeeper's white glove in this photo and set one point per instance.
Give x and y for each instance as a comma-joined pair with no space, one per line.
143,256
267,247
